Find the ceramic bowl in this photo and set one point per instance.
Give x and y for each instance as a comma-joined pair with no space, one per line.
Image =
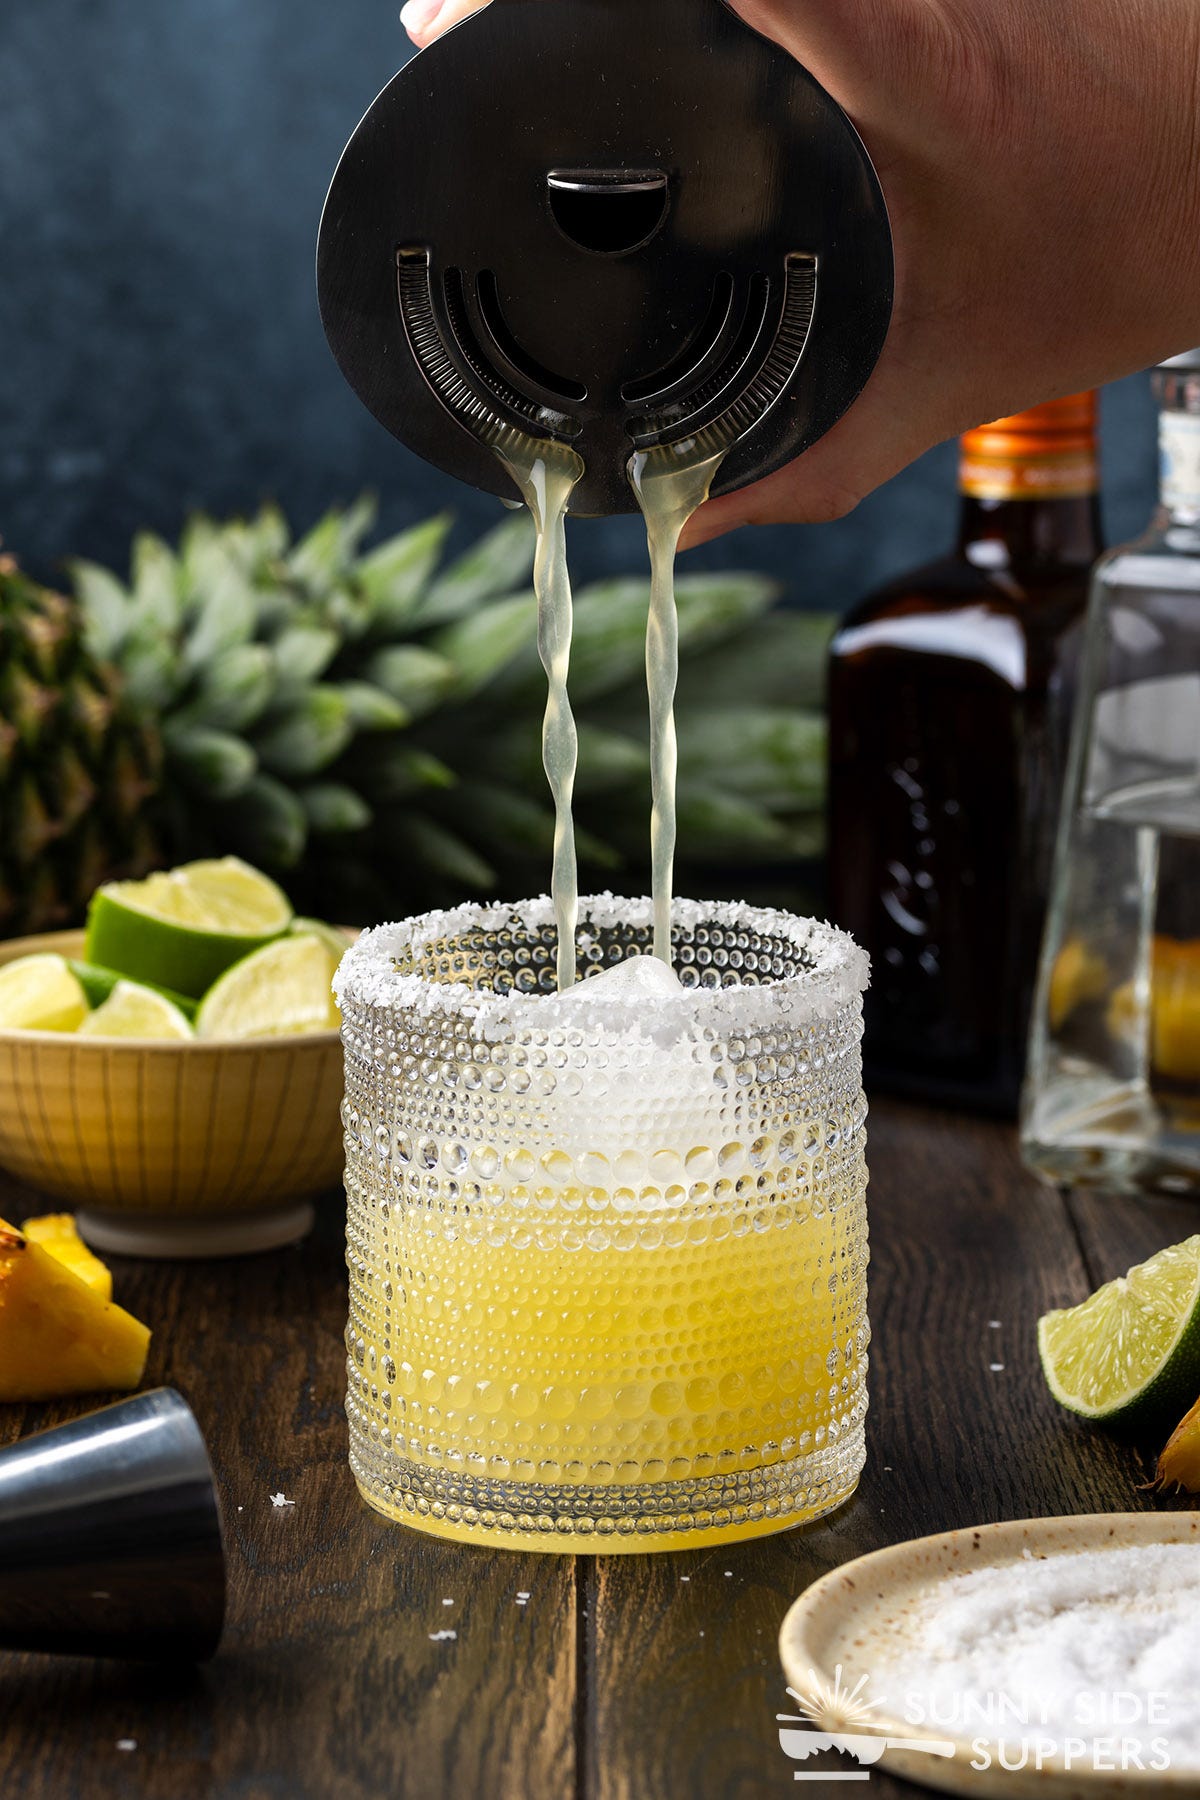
171,1149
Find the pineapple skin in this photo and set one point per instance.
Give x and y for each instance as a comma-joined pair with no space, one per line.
57,1335
78,763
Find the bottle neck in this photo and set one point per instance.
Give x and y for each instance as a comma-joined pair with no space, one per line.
1179,448
997,533
1029,487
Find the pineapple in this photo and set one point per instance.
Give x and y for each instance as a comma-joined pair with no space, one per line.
367,725
78,763
58,1335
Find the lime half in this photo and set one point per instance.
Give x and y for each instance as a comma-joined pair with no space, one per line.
98,984
335,940
39,993
280,990
180,929
133,1011
1130,1356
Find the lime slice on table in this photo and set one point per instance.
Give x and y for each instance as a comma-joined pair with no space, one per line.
335,940
282,989
98,984
1130,1356
39,993
182,928
134,1011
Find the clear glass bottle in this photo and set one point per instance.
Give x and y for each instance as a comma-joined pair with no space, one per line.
1112,1091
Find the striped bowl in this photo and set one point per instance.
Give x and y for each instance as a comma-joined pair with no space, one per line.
171,1149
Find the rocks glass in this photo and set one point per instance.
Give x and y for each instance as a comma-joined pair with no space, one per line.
607,1257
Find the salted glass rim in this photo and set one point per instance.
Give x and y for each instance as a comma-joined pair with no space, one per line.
368,976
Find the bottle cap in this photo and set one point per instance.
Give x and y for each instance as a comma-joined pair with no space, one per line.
1048,451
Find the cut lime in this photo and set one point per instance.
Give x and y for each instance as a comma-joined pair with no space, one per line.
183,928
39,993
279,990
98,984
1130,1356
335,940
134,1011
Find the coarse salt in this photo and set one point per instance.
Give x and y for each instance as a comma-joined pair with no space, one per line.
1049,1642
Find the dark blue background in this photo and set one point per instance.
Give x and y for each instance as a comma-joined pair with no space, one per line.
162,168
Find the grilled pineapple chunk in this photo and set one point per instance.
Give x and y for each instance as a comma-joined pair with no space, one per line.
57,1335
56,1233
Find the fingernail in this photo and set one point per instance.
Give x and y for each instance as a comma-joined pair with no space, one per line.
417,15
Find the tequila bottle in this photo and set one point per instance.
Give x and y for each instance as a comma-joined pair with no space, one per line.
950,695
1112,1097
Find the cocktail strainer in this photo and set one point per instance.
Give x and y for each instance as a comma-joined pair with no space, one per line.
616,223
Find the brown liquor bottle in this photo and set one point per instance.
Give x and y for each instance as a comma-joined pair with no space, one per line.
950,696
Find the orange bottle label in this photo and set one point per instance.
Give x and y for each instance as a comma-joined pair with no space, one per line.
1046,453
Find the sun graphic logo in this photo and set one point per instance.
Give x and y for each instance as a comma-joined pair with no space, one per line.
838,1718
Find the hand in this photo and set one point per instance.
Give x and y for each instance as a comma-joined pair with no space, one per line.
1041,167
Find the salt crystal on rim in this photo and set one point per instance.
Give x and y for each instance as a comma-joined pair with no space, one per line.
831,971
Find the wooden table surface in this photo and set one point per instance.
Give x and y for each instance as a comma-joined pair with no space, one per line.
630,1678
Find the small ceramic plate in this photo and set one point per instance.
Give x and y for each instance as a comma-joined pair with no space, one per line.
859,1616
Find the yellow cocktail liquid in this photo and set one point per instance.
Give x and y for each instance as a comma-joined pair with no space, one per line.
693,1346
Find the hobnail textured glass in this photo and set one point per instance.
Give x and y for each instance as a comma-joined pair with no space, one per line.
607,1260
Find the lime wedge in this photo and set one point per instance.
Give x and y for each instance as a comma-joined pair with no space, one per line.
1130,1356
134,1011
98,984
39,993
335,940
183,928
279,990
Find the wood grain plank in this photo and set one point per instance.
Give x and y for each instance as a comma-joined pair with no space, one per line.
1117,1230
328,1684
686,1677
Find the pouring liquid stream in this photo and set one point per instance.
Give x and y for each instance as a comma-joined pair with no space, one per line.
670,483
546,473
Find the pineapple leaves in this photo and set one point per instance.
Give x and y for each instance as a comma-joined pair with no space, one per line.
717,826
431,847
302,653
481,645
497,564
394,576
781,662
331,808
608,650
397,772
771,756
269,824
305,693
106,608
234,691
309,736
326,553
226,612
608,760
371,709
417,678
212,762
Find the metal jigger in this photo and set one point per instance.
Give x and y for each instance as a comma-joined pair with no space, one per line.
110,1536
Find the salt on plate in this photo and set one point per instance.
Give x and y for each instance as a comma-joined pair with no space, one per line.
1066,1633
